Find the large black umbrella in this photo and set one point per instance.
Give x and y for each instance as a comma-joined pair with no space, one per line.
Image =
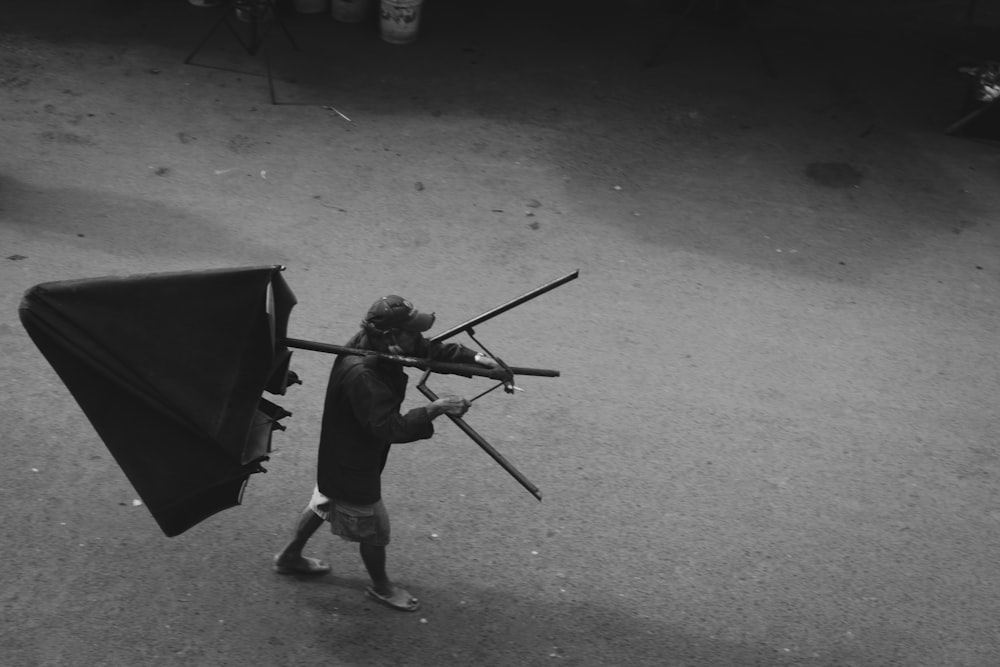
170,368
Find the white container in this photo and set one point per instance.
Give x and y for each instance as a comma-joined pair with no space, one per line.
350,11
399,20
310,6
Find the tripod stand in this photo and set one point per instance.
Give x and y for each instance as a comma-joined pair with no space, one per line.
259,17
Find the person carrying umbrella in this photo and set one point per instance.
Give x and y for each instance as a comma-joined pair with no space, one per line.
361,421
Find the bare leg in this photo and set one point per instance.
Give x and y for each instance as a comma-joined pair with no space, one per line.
307,525
374,559
382,587
291,560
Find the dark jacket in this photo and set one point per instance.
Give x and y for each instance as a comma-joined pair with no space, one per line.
361,419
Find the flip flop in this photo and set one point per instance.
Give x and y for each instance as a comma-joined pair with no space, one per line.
400,599
304,565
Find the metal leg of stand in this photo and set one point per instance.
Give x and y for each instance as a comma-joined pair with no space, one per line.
288,35
270,76
254,45
208,36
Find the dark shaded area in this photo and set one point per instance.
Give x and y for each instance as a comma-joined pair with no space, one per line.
107,220
163,21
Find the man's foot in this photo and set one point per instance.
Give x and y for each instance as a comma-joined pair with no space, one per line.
299,565
398,599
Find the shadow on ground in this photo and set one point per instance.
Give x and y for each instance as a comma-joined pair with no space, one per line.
120,225
490,627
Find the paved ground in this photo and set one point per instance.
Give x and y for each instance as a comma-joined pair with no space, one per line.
774,441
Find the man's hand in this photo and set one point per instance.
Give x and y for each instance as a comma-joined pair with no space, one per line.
455,406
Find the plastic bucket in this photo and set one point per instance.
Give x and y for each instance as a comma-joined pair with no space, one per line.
399,20
350,11
310,6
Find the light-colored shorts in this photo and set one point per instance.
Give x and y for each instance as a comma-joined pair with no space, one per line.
368,524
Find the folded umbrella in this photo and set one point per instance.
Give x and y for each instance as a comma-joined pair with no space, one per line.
170,369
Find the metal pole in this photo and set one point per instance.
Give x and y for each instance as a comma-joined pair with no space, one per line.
479,319
487,447
442,367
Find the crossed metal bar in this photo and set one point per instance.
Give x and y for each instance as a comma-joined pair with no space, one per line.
467,327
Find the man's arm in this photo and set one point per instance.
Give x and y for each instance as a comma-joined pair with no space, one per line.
377,407
456,353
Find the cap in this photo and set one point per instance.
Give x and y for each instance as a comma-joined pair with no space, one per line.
395,312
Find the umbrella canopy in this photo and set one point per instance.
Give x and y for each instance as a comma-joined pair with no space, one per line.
169,368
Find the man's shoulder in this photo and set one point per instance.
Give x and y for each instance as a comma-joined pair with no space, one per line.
352,363
354,366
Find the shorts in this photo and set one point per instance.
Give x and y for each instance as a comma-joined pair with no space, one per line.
368,524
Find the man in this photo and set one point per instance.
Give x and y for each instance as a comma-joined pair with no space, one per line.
361,420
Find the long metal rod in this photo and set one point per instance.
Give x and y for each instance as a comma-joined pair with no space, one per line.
441,367
481,441
503,308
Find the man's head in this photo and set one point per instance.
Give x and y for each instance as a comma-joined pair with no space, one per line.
394,321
